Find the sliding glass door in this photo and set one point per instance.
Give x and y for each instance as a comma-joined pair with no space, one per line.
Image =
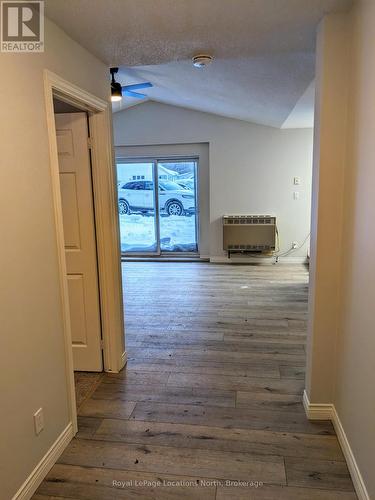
137,208
158,206
177,206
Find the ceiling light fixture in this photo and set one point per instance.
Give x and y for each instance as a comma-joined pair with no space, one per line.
116,90
202,60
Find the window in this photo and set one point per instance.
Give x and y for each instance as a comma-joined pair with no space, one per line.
169,186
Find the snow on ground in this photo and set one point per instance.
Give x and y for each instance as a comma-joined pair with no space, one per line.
177,233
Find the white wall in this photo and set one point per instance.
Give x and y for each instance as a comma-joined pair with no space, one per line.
32,350
251,166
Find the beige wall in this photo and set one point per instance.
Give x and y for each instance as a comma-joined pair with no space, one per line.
327,203
346,328
32,350
251,167
354,395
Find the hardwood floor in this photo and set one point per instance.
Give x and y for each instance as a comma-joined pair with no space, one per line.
210,398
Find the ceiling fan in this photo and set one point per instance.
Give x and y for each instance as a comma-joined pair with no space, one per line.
118,90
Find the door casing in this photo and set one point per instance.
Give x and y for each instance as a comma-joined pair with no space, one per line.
106,222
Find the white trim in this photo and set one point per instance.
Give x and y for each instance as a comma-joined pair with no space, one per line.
239,259
355,473
57,209
70,93
108,240
124,359
328,412
44,466
317,411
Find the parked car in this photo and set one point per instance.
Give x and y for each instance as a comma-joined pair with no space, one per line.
138,196
186,183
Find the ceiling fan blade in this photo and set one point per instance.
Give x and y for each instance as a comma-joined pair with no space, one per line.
137,95
137,86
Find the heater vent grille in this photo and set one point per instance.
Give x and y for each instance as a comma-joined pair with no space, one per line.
249,233
249,247
249,219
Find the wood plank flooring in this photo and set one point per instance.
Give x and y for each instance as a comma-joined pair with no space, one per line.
209,405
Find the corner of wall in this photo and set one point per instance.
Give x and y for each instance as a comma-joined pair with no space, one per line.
327,205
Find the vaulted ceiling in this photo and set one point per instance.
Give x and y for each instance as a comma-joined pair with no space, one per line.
259,89
263,51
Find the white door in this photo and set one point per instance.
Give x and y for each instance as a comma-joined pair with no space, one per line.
80,244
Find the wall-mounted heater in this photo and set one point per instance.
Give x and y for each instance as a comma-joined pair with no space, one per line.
249,233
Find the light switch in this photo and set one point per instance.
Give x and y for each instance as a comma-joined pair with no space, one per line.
297,181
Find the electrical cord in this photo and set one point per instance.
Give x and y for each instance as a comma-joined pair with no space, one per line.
291,250
276,253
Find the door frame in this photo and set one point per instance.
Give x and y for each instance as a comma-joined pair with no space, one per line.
106,225
155,160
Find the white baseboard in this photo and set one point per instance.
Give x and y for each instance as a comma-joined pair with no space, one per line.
124,359
204,257
256,260
45,465
355,473
328,412
317,411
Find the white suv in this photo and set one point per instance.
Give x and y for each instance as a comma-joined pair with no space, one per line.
138,196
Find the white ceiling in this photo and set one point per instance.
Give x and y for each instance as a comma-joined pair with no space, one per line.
263,50
302,115
259,89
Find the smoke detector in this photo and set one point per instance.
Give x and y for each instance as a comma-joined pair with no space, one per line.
202,60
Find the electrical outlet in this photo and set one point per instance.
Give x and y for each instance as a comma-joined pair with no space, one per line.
294,244
297,181
296,195
39,421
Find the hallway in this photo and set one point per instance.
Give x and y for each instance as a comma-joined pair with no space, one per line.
212,392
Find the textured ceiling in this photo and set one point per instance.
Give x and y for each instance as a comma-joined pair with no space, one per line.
263,50
259,89
139,32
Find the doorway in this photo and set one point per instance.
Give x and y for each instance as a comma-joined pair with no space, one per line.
72,134
158,206
77,202
96,113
